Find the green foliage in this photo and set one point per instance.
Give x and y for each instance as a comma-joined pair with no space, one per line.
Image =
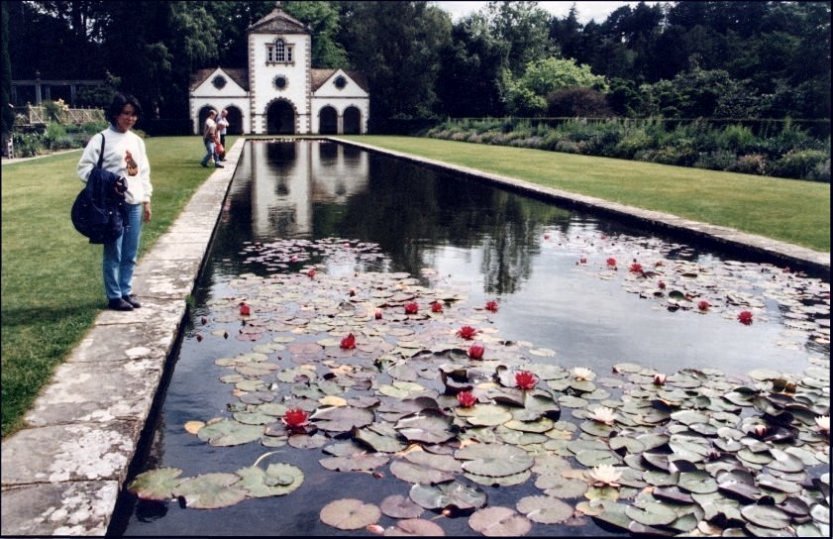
808,164
527,95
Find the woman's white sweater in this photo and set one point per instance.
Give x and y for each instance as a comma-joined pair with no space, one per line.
116,145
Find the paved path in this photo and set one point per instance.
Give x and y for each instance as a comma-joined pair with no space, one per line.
62,474
11,161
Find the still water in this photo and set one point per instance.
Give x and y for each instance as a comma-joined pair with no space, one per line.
295,204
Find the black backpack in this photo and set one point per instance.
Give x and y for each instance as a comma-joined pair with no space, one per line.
95,213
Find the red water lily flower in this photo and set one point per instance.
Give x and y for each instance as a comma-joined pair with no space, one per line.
295,418
661,285
466,399
476,351
611,262
745,318
582,260
244,309
348,342
411,308
311,273
377,314
491,306
467,332
703,305
525,380
636,267
436,307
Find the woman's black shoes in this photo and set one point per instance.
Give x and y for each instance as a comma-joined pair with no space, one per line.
131,299
119,304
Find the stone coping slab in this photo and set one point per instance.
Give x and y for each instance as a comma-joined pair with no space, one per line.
62,473
817,263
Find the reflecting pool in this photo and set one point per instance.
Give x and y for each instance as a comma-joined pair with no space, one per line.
319,241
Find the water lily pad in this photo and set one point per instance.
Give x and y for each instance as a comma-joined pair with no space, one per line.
766,516
593,457
277,480
211,491
379,442
503,481
228,433
697,482
155,485
415,527
349,514
614,516
341,418
415,473
544,509
494,460
432,428
653,514
485,415
398,506
497,521
448,495
559,487
355,463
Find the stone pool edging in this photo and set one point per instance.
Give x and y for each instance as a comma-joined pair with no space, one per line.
62,473
760,247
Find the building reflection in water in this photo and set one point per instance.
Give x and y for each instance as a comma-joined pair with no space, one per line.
288,178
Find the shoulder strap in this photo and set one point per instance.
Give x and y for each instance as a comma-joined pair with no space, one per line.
101,154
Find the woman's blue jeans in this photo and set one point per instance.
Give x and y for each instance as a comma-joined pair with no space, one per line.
120,255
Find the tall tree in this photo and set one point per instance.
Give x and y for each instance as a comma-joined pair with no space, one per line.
523,28
396,44
323,20
7,115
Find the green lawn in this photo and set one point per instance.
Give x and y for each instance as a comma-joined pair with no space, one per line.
793,211
51,276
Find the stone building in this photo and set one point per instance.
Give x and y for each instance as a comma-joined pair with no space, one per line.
279,92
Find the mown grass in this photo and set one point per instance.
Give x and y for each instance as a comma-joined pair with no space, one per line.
794,211
51,276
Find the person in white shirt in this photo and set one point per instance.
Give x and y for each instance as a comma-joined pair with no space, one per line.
125,156
222,128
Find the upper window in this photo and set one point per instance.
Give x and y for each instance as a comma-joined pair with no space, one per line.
219,82
279,52
340,82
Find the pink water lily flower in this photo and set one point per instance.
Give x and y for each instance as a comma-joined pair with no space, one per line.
467,332
436,307
525,380
411,308
466,399
611,262
745,318
476,351
348,342
295,418
492,306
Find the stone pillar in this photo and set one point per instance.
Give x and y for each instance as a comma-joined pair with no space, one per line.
340,124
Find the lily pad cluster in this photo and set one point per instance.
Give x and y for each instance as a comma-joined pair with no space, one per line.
669,274
284,253
692,452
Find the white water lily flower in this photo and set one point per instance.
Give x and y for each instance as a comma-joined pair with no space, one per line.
823,423
580,373
603,414
605,475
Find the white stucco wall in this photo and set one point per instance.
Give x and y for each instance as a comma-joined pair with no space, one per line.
340,99
262,75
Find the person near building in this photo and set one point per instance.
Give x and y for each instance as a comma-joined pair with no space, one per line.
125,156
222,128
210,138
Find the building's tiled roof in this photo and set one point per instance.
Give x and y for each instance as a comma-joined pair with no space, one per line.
320,76
238,75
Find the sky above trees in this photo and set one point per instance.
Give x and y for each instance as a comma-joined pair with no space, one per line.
587,11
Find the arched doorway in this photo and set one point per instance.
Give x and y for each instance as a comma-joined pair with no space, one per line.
352,121
280,118
235,121
328,121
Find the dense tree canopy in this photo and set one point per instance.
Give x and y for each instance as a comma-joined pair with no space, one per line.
680,59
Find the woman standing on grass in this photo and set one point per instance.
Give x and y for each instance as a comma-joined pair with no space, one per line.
125,156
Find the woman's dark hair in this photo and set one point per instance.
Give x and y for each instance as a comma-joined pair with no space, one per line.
119,101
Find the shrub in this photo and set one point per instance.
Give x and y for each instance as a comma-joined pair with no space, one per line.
821,172
27,144
567,146
583,102
737,138
633,141
799,163
754,163
54,132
